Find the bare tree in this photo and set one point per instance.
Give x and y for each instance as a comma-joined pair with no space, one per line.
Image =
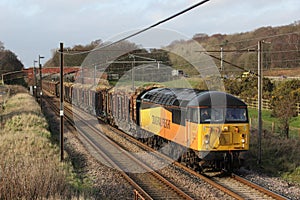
285,97
1,46
284,110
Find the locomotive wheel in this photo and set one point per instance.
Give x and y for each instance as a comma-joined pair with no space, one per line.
228,162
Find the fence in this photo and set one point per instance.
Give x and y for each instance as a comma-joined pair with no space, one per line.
266,104
274,128
253,103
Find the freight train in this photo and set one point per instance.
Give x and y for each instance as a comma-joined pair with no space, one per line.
203,129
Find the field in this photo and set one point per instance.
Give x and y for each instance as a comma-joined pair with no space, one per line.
292,72
273,125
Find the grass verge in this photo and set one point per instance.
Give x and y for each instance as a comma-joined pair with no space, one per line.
30,167
280,156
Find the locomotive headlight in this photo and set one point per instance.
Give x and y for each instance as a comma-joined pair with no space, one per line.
225,128
206,141
243,140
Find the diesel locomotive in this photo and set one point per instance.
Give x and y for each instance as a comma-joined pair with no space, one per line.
205,129
212,125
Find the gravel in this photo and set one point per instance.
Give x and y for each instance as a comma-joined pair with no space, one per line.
107,183
275,184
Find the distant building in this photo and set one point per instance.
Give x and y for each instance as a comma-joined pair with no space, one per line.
177,72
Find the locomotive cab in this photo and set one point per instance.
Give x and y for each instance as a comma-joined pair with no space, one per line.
217,123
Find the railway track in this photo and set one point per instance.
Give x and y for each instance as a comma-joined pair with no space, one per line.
152,185
252,185
233,185
149,184
241,188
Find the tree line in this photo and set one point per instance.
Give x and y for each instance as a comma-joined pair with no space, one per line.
9,62
280,49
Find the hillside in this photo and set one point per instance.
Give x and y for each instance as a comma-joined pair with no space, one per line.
72,60
281,47
280,50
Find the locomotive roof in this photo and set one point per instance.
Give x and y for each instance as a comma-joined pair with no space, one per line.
184,97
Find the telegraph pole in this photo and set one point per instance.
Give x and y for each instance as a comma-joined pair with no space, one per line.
61,112
35,82
41,88
259,87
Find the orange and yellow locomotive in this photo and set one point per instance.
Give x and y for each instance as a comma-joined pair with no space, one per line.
214,125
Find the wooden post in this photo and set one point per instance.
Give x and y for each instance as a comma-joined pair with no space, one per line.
61,113
259,99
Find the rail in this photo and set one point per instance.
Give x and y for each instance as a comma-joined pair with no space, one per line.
114,156
257,187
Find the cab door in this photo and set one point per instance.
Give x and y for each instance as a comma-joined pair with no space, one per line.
192,127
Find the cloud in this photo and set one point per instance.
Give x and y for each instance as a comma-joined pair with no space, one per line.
32,27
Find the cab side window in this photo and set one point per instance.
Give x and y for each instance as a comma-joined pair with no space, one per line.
178,116
194,112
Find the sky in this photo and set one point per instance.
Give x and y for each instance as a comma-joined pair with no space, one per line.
31,28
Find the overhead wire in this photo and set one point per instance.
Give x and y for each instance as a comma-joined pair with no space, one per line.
141,31
178,14
250,49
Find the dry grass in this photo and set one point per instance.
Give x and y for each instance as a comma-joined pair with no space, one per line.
283,72
29,163
280,156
